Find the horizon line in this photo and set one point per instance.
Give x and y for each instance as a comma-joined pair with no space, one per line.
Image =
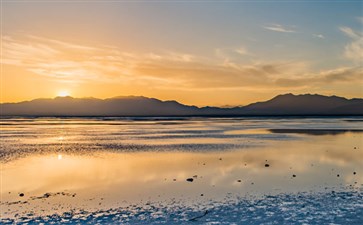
168,100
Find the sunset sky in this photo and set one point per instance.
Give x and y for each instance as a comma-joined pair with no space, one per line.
196,52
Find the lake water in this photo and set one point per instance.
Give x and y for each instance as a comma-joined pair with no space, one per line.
135,170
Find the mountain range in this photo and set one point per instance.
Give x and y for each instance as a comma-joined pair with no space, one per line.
281,105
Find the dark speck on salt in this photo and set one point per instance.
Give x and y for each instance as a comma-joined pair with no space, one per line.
293,175
190,179
267,165
21,194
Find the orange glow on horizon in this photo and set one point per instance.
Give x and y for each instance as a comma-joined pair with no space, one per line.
63,93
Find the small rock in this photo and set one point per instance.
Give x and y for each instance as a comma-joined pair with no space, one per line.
46,195
267,165
239,181
293,175
220,158
354,173
201,194
338,175
190,179
21,194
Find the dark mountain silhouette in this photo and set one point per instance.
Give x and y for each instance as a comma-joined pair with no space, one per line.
307,104
287,104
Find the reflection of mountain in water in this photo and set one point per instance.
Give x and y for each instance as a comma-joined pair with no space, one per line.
314,131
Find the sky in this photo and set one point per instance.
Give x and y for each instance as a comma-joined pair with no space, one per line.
196,52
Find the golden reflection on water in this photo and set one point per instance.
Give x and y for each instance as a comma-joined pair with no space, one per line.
115,177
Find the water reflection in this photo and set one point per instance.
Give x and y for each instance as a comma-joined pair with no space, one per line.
55,179
117,177
315,131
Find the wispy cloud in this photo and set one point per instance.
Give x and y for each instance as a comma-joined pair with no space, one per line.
69,62
280,28
353,50
242,51
338,75
58,60
319,36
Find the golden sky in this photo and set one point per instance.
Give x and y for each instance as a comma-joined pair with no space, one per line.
199,53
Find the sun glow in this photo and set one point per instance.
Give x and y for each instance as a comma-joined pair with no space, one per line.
63,93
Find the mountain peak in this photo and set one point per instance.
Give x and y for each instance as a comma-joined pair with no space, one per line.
285,104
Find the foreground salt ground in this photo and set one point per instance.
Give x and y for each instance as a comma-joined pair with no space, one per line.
344,207
130,171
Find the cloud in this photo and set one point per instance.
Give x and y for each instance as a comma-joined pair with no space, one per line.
353,50
339,75
319,36
279,28
59,60
69,62
242,51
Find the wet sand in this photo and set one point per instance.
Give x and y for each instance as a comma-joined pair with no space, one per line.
226,170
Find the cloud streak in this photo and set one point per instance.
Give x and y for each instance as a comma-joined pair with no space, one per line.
353,50
339,75
319,36
69,62
279,28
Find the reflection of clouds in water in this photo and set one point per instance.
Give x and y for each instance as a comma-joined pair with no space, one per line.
150,167
138,161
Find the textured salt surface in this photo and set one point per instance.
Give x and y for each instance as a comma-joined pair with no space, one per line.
344,207
314,172
25,136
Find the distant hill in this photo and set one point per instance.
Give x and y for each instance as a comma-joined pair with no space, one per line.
287,104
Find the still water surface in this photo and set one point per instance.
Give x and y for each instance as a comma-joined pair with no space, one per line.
65,165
